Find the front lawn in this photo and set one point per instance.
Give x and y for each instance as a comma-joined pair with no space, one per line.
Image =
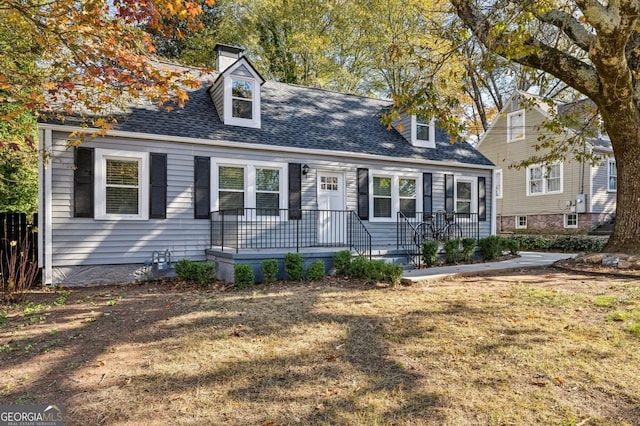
546,347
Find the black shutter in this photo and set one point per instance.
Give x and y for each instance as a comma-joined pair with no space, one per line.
482,199
427,198
83,183
158,187
295,191
448,193
201,188
363,194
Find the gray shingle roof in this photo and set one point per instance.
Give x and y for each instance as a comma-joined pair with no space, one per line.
299,117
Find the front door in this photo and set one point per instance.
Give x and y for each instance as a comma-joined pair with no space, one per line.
332,217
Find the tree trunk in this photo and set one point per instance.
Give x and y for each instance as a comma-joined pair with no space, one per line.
623,126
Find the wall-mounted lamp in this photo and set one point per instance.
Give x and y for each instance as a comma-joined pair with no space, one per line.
305,170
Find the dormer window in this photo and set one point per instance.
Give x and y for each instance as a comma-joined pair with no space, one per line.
236,92
241,99
423,132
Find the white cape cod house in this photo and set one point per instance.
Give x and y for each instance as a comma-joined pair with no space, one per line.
250,170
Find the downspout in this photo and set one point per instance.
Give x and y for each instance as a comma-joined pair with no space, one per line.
493,202
44,206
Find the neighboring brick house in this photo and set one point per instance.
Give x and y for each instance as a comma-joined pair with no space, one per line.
566,197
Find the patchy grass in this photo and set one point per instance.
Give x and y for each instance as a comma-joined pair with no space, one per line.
528,349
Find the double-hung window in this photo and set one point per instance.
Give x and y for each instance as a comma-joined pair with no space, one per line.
464,199
498,183
242,98
392,193
267,191
122,181
423,132
382,196
544,179
407,196
231,189
612,175
257,186
515,126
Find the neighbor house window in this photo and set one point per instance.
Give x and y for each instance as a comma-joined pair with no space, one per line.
122,181
521,222
423,132
515,126
407,196
544,180
242,99
612,175
499,184
257,185
381,196
571,220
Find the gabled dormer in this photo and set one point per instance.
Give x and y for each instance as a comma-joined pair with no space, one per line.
236,91
418,131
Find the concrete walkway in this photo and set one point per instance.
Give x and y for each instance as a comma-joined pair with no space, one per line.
527,259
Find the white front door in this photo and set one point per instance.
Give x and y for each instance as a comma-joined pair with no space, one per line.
332,217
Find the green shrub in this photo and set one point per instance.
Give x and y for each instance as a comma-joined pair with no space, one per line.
316,270
512,245
294,266
392,273
269,270
357,269
490,247
468,248
429,252
204,273
452,252
373,271
341,262
244,276
565,243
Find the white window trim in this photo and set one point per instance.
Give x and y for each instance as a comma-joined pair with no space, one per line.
100,195
249,181
545,180
499,185
255,121
517,222
611,161
566,220
474,196
395,193
509,116
431,143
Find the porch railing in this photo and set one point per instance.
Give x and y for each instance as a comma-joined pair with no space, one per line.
439,226
252,228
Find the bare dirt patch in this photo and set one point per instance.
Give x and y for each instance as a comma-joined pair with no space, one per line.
540,346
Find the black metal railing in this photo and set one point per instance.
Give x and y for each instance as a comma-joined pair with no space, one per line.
252,228
437,226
